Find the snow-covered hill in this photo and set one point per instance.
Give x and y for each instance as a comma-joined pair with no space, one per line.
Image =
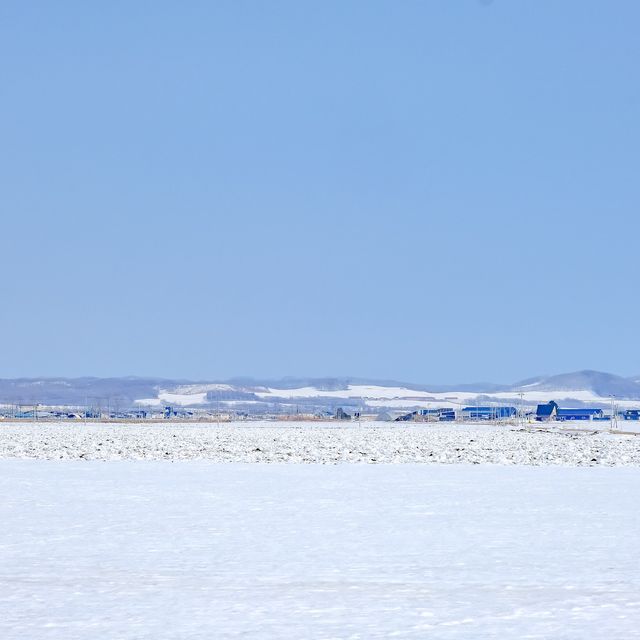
600,384
313,394
584,387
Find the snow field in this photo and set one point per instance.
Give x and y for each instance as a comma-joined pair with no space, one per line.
317,443
197,550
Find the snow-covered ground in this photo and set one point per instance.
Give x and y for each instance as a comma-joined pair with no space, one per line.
321,442
379,395
391,396
155,550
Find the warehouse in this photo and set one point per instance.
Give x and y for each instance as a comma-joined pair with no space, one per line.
488,413
579,414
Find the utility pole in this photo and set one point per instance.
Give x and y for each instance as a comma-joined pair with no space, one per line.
521,416
613,422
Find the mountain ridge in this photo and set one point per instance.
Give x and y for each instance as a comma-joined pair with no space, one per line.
317,391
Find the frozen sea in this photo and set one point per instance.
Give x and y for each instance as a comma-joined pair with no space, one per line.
180,549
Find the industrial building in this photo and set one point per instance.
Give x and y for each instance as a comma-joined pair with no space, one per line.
488,413
551,411
579,414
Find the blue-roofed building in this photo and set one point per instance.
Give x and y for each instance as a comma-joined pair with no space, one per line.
631,414
579,414
546,412
25,414
488,413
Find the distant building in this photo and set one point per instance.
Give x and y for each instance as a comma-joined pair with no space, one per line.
546,412
25,414
488,413
443,414
341,414
631,414
579,414
550,412
428,415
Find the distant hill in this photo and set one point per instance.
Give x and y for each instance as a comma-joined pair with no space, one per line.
78,391
313,394
601,384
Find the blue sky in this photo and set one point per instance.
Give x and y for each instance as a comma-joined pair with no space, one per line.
436,191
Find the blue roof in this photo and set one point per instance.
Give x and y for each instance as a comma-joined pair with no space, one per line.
486,409
428,412
545,409
489,413
579,412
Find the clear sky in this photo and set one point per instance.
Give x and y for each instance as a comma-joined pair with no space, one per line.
433,190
